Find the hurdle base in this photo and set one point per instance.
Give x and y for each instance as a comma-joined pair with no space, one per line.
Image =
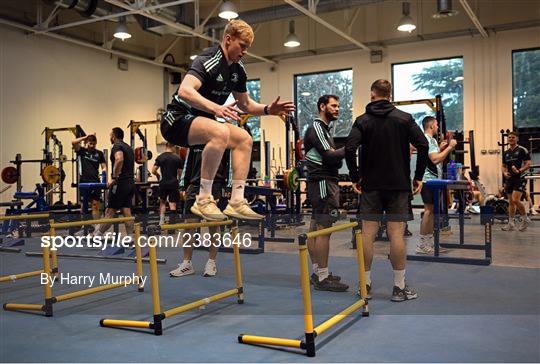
157,324
272,341
23,307
309,344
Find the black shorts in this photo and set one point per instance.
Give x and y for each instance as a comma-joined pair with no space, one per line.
121,195
515,184
394,204
218,191
324,198
175,127
93,195
427,195
171,194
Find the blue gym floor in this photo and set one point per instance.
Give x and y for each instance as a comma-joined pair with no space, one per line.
464,314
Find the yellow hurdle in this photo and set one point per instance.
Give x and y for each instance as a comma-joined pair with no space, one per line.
109,220
51,270
14,277
158,314
24,217
310,332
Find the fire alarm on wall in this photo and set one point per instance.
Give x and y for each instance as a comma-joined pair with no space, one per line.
123,64
376,56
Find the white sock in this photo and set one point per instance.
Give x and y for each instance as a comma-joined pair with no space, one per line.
322,273
423,239
368,277
399,278
237,193
161,219
315,268
212,260
206,188
186,262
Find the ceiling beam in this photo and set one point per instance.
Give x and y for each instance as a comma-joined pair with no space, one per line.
93,46
473,17
46,22
113,16
167,50
353,19
326,24
200,28
177,26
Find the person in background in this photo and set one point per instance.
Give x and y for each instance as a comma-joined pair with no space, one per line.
169,164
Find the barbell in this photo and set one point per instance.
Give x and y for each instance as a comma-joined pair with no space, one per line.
140,158
50,175
289,179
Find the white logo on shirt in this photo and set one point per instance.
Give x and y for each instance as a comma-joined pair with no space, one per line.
234,77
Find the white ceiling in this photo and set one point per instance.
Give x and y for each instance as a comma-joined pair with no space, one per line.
371,23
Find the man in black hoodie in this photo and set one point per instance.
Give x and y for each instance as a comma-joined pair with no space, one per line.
385,134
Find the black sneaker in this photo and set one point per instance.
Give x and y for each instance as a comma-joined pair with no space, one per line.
328,284
400,295
333,277
314,278
368,287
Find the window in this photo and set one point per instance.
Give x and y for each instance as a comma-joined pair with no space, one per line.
254,123
427,79
308,89
526,87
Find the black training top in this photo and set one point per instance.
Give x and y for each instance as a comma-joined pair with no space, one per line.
129,159
218,80
322,160
169,163
385,133
191,173
515,157
89,162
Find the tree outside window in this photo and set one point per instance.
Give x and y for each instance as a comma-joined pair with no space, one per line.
526,88
308,89
425,80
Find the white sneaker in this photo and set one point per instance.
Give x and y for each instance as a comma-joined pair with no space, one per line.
81,233
446,231
210,269
184,269
533,211
241,210
207,209
523,223
424,249
509,227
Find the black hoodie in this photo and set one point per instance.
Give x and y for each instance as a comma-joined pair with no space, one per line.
385,134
